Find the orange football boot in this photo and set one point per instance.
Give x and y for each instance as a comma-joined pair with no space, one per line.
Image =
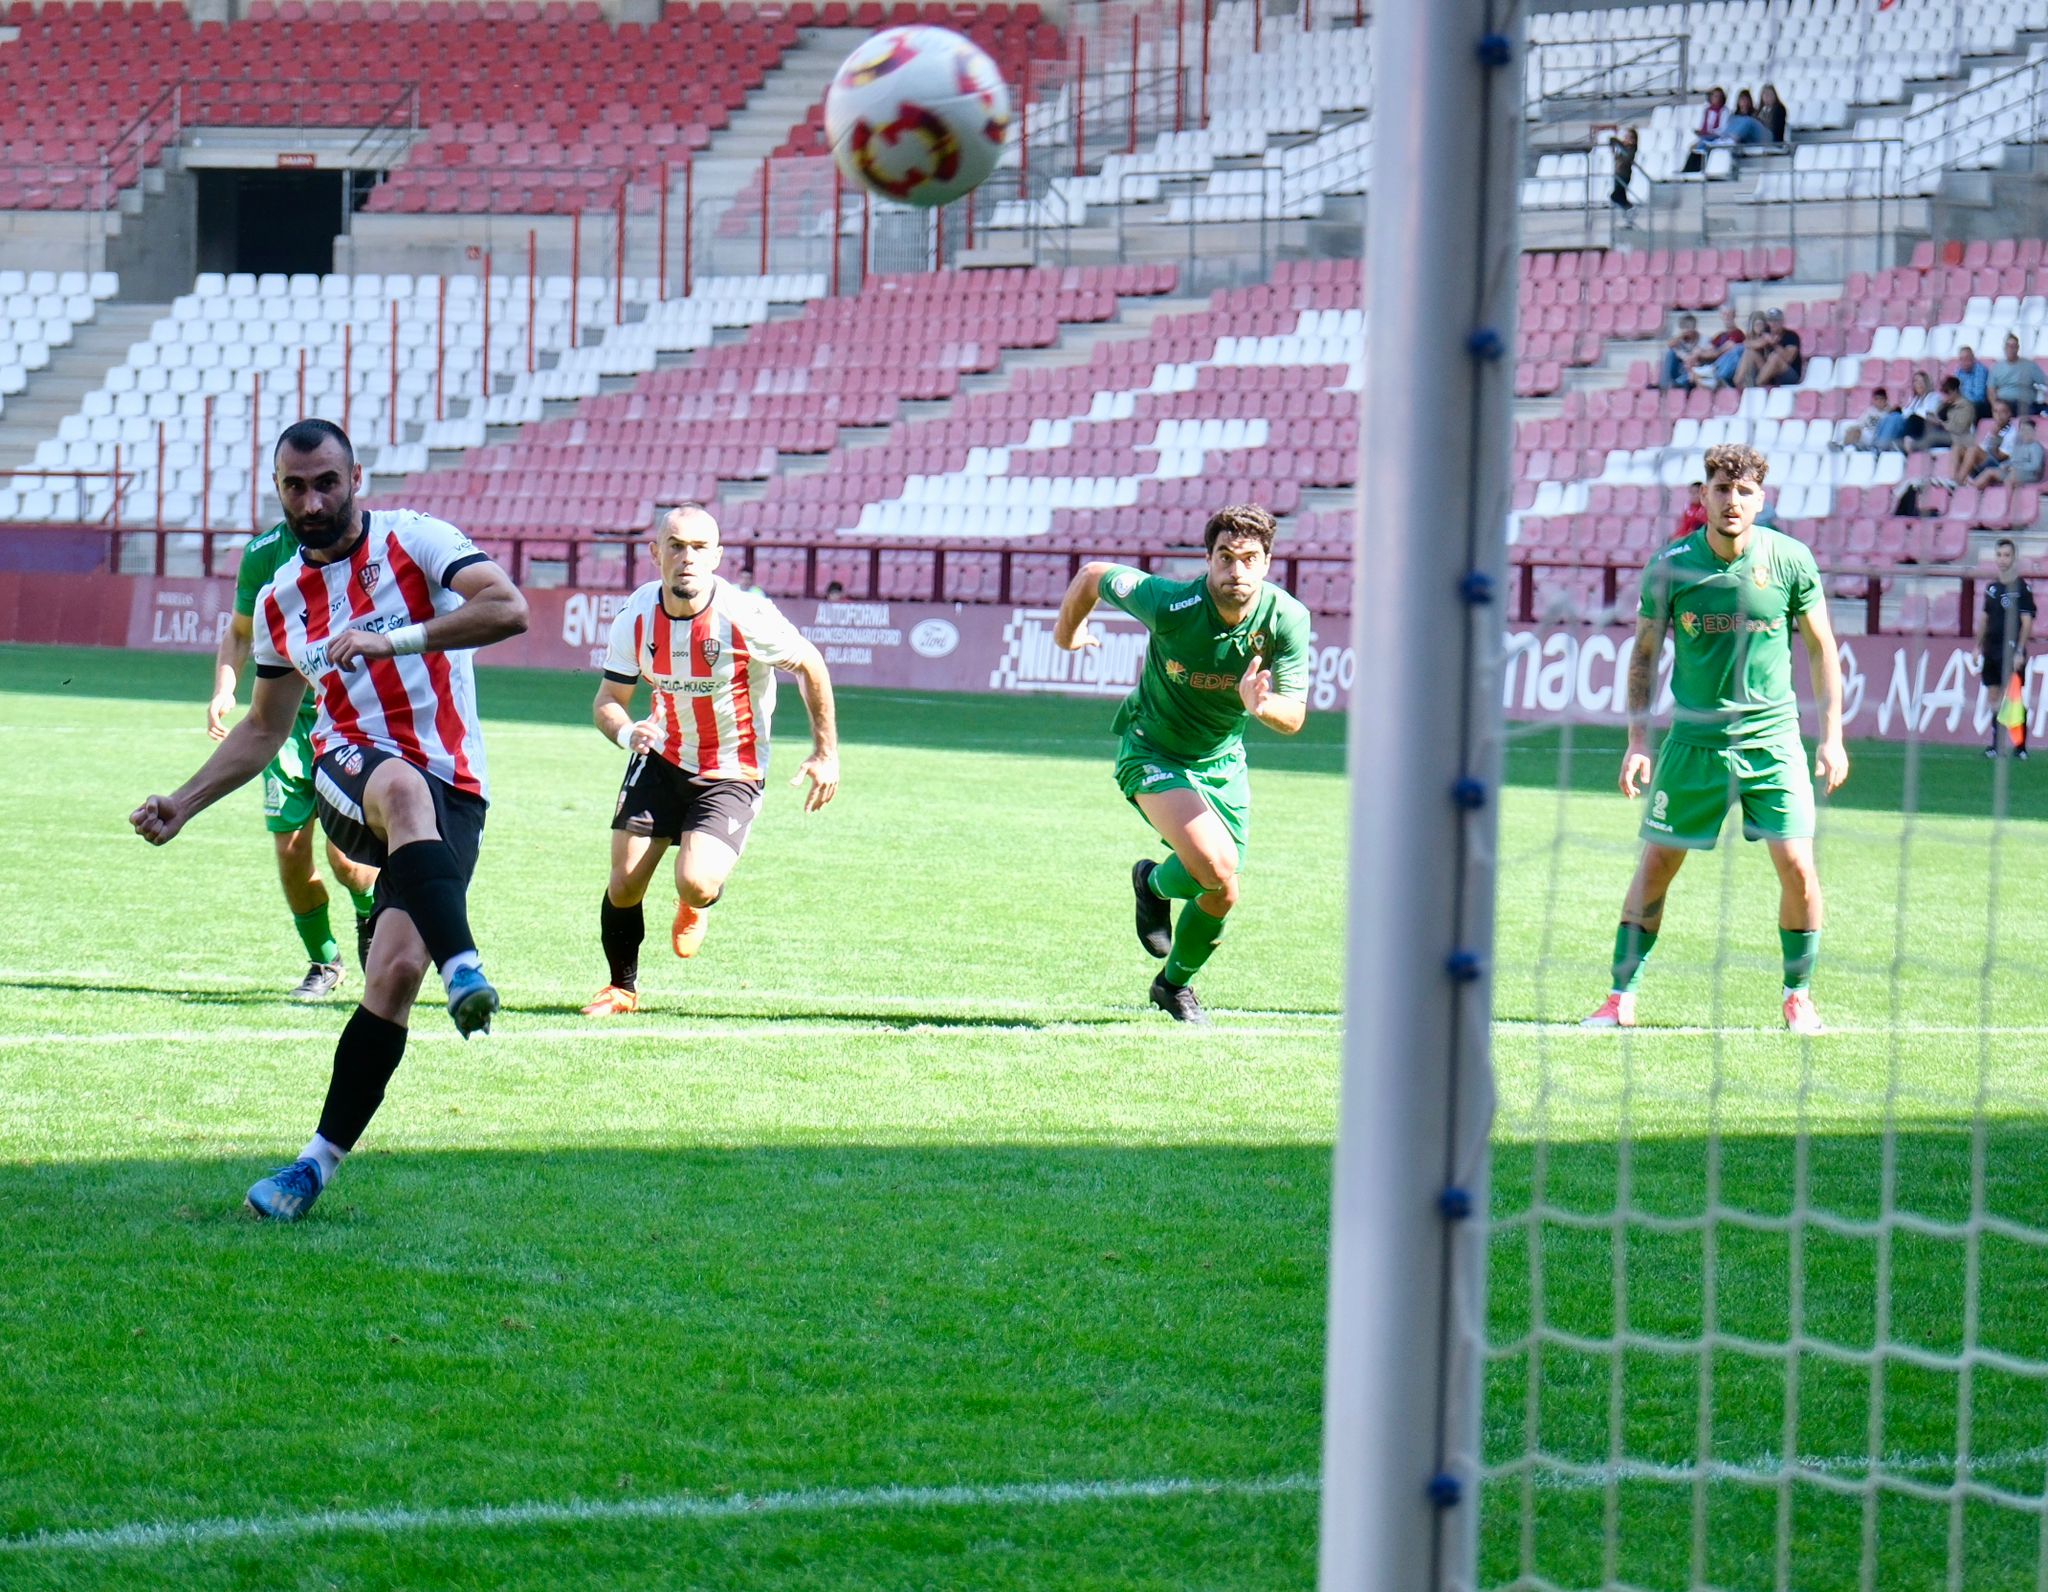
613,1002
691,923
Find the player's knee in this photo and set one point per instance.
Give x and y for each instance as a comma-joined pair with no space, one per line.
394,975
625,890
1225,892
699,892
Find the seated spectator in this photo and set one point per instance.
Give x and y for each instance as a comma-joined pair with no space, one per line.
1991,451
2029,460
1771,357
1695,512
2018,381
1923,414
1743,126
1624,144
1712,131
1680,352
1975,377
1725,352
1867,429
1770,110
1958,425
834,591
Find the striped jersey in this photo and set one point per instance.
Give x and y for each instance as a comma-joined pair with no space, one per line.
713,675
422,707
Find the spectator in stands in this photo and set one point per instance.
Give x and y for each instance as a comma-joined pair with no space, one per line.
1772,356
834,591
1770,110
1624,144
1695,514
2018,381
1743,126
1975,377
1866,431
1725,353
1989,453
1923,414
2025,460
1712,131
1682,353
1958,430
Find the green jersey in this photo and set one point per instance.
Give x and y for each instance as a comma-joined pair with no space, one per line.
1186,704
262,557
1731,627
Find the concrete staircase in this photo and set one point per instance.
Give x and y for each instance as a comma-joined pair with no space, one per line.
54,392
758,129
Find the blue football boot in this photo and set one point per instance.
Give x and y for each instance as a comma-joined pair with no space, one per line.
471,1000
288,1193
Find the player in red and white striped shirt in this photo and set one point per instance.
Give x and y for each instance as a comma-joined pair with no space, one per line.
378,614
709,651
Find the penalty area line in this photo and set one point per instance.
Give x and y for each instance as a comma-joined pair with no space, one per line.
612,1032
1530,1025
669,1507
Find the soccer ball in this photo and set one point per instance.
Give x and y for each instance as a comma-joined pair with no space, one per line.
917,115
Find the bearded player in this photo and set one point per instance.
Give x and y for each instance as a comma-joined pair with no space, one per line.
709,651
378,613
288,807
1731,593
1182,762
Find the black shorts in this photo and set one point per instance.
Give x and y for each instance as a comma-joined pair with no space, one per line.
1995,677
339,778
657,798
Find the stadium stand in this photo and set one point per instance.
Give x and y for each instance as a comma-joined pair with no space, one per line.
40,311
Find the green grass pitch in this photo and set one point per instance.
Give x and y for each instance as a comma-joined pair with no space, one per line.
897,1243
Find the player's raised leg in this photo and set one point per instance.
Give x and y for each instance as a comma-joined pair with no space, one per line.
1202,872
703,864
1642,915
621,922
429,882
365,1057
1799,923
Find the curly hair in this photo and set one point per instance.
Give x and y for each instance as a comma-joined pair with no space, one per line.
1240,519
1737,462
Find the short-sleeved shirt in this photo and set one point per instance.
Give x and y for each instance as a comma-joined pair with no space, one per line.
2014,380
1186,704
420,707
262,557
1731,627
2005,602
713,675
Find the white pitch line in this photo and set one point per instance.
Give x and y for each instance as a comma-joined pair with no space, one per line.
699,1028
674,1506
1653,1031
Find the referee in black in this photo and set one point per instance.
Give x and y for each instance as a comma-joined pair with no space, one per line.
2003,631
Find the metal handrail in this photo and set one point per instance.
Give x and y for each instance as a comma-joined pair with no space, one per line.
1912,170
383,134
1655,44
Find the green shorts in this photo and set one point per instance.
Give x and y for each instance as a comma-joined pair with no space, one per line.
1223,782
288,784
1693,786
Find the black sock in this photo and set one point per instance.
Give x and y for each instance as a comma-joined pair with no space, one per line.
428,886
622,929
365,1057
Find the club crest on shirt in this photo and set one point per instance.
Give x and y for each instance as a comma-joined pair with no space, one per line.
1760,575
368,576
1257,642
710,648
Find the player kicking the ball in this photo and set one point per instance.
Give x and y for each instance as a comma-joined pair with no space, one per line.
1182,762
698,760
1730,594
378,613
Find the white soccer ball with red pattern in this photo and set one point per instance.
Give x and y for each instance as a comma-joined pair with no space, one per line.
917,115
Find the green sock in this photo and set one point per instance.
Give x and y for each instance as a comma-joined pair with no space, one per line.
1632,946
318,936
1799,947
365,900
1194,937
1171,881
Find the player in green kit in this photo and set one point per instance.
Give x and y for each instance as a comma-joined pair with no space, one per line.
1226,647
288,785
1730,594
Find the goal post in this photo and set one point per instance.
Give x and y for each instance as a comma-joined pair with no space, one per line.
1406,1325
